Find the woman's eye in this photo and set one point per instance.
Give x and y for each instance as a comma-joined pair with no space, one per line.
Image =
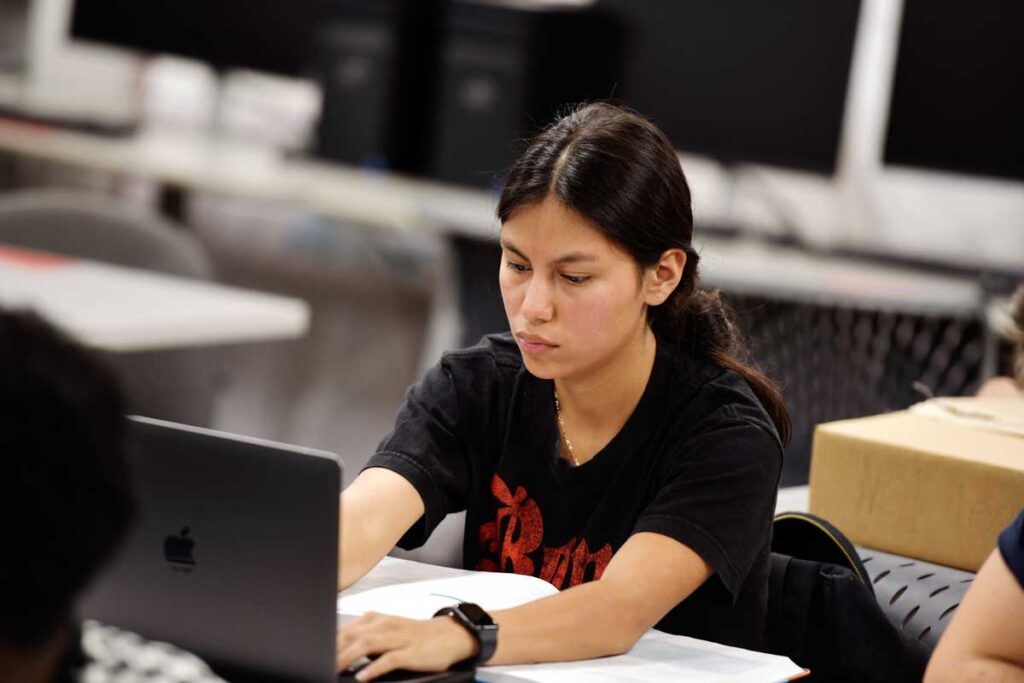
575,279
517,267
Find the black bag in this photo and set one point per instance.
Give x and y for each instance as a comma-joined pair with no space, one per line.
822,611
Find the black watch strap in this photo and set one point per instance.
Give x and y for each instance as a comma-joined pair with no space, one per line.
479,623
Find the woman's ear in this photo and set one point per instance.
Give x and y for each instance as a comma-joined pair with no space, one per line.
661,279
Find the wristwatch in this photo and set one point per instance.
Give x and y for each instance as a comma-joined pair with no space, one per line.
474,619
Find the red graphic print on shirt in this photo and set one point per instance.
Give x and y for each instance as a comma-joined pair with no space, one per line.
523,531
516,534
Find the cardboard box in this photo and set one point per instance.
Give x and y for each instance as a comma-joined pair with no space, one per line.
937,482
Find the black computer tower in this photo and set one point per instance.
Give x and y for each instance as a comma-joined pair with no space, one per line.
377,66
506,70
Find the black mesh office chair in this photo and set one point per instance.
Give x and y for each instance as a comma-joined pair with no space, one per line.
835,361
918,597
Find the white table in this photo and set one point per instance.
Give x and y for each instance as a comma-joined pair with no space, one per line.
249,171
122,309
791,274
793,499
403,203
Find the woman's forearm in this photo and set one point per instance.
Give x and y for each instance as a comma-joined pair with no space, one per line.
356,554
582,622
375,510
648,576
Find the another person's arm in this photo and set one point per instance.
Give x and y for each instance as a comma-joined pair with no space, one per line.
1011,387
984,642
1000,387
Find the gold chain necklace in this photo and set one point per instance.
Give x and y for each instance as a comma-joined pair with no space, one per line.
561,429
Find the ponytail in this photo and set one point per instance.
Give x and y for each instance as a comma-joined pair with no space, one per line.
705,326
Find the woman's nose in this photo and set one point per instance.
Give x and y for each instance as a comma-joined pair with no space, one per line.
538,305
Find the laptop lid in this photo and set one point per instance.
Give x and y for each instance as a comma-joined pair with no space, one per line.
234,555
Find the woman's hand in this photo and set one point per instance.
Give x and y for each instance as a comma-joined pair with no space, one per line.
431,645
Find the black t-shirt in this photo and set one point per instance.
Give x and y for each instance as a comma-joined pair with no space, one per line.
697,461
1011,547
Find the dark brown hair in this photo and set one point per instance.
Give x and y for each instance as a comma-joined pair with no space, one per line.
618,170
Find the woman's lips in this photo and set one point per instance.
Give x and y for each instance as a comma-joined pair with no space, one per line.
534,346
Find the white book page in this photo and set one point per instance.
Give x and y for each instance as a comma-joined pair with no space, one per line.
391,571
414,590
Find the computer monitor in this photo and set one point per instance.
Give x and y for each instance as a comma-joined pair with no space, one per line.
741,80
274,36
958,92
13,36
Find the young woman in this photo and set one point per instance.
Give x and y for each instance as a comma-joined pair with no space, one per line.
614,443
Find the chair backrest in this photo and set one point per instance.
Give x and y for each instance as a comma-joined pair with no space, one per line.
87,226
918,597
444,547
823,613
174,384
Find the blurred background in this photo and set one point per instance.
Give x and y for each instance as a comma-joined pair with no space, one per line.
857,168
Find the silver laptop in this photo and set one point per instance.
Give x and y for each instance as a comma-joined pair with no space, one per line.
234,555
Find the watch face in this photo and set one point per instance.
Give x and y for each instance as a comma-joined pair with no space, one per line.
476,614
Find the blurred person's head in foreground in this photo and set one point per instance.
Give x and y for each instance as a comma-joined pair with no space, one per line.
64,490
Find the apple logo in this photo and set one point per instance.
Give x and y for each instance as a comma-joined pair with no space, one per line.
178,549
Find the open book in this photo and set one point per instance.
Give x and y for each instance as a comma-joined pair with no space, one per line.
416,590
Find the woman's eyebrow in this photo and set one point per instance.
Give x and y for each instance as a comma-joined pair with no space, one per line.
571,257
575,257
508,246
